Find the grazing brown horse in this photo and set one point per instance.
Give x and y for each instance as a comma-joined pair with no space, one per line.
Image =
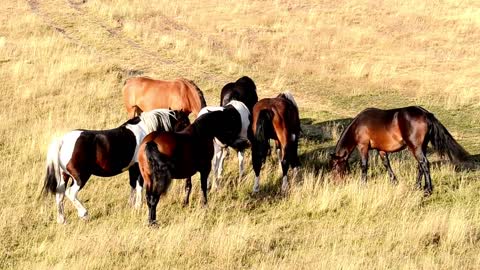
391,131
166,155
277,119
145,94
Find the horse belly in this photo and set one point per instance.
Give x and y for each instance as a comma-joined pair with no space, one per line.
387,144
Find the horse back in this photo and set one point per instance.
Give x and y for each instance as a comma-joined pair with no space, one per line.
285,116
149,94
104,152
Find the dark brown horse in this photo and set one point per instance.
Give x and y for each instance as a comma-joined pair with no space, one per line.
391,131
145,94
82,153
277,119
166,155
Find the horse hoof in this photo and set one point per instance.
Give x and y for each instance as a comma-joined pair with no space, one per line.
61,220
427,192
85,217
153,224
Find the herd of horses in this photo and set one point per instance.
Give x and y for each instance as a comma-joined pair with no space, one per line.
158,143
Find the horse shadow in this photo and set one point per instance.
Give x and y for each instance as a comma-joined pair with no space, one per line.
322,136
321,132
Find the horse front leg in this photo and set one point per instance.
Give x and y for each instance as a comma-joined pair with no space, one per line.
363,149
386,163
241,158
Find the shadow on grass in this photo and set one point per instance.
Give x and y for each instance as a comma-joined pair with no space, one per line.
322,131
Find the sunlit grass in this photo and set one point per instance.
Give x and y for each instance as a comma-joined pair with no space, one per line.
336,58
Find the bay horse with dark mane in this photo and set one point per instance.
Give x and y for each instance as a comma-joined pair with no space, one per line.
245,91
277,119
393,130
82,153
178,155
141,94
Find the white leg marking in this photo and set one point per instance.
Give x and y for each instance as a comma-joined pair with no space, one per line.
240,164
295,172
72,195
138,199
284,184
131,199
279,155
216,181
256,184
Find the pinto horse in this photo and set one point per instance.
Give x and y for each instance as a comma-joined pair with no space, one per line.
145,94
166,155
393,130
245,91
82,153
277,119
240,144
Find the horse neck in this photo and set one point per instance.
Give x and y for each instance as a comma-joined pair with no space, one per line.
196,99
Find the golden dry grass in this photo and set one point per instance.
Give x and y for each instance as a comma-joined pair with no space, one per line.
62,67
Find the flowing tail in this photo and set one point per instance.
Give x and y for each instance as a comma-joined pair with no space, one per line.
444,143
160,167
53,176
264,127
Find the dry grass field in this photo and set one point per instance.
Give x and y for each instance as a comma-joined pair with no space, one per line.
62,65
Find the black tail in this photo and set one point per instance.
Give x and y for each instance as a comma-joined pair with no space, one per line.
264,128
160,167
443,142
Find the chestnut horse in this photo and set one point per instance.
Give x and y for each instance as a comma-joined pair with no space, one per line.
145,94
166,155
393,130
277,119
82,153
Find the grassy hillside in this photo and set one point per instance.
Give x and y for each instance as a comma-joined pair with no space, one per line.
62,65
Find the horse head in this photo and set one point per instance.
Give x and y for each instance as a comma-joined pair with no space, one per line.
339,164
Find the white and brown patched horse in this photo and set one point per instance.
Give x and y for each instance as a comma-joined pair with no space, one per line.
82,153
240,143
278,119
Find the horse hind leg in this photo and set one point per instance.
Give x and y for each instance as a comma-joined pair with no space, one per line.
72,193
59,198
188,190
424,166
